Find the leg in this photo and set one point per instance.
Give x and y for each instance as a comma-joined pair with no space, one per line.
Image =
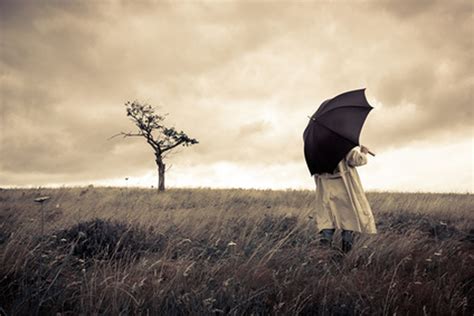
327,234
347,240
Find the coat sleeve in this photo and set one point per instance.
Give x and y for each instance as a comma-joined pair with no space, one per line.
356,158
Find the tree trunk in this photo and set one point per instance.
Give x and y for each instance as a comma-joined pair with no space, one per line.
161,174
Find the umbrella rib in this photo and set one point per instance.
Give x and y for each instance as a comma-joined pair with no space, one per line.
344,106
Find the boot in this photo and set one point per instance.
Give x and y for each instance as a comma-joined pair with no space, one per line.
326,237
347,240
346,246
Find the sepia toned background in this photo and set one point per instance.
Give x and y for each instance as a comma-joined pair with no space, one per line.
241,77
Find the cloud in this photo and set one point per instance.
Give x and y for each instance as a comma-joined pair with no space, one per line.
254,129
241,77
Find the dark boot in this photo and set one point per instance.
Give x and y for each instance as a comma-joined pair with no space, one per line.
326,237
347,240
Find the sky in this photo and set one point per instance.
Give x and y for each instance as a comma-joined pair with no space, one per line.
241,77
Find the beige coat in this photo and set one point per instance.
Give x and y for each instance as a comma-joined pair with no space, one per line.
340,198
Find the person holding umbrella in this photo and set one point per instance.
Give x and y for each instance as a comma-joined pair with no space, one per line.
332,153
343,201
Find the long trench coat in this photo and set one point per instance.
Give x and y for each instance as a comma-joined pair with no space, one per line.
340,198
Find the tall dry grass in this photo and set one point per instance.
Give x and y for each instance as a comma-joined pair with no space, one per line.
238,252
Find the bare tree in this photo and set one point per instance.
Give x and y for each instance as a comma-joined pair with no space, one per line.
162,139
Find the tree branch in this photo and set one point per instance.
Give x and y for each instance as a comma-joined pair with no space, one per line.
172,146
125,135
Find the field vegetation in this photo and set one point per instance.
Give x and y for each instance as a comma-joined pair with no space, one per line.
231,252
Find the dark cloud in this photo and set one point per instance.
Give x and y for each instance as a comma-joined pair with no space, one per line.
239,76
434,73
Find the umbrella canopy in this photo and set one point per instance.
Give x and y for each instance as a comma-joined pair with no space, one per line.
334,130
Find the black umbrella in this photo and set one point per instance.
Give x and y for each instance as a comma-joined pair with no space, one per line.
334,130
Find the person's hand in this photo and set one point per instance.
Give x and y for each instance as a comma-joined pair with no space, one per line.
364,149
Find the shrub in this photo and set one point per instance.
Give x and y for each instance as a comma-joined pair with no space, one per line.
105,239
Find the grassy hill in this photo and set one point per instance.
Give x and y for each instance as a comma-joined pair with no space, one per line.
212,252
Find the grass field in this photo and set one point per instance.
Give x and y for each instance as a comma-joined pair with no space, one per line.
239,252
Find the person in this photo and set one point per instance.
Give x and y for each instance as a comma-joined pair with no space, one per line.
341,201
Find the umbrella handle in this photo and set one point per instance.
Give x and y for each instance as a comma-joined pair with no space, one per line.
368,151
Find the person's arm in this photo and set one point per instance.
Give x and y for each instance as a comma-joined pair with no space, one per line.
357,157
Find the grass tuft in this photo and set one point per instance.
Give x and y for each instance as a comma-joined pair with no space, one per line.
236,252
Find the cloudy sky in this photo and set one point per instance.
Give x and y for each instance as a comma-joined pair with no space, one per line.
241,77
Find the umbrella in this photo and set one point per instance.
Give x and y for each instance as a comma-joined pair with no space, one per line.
334,130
